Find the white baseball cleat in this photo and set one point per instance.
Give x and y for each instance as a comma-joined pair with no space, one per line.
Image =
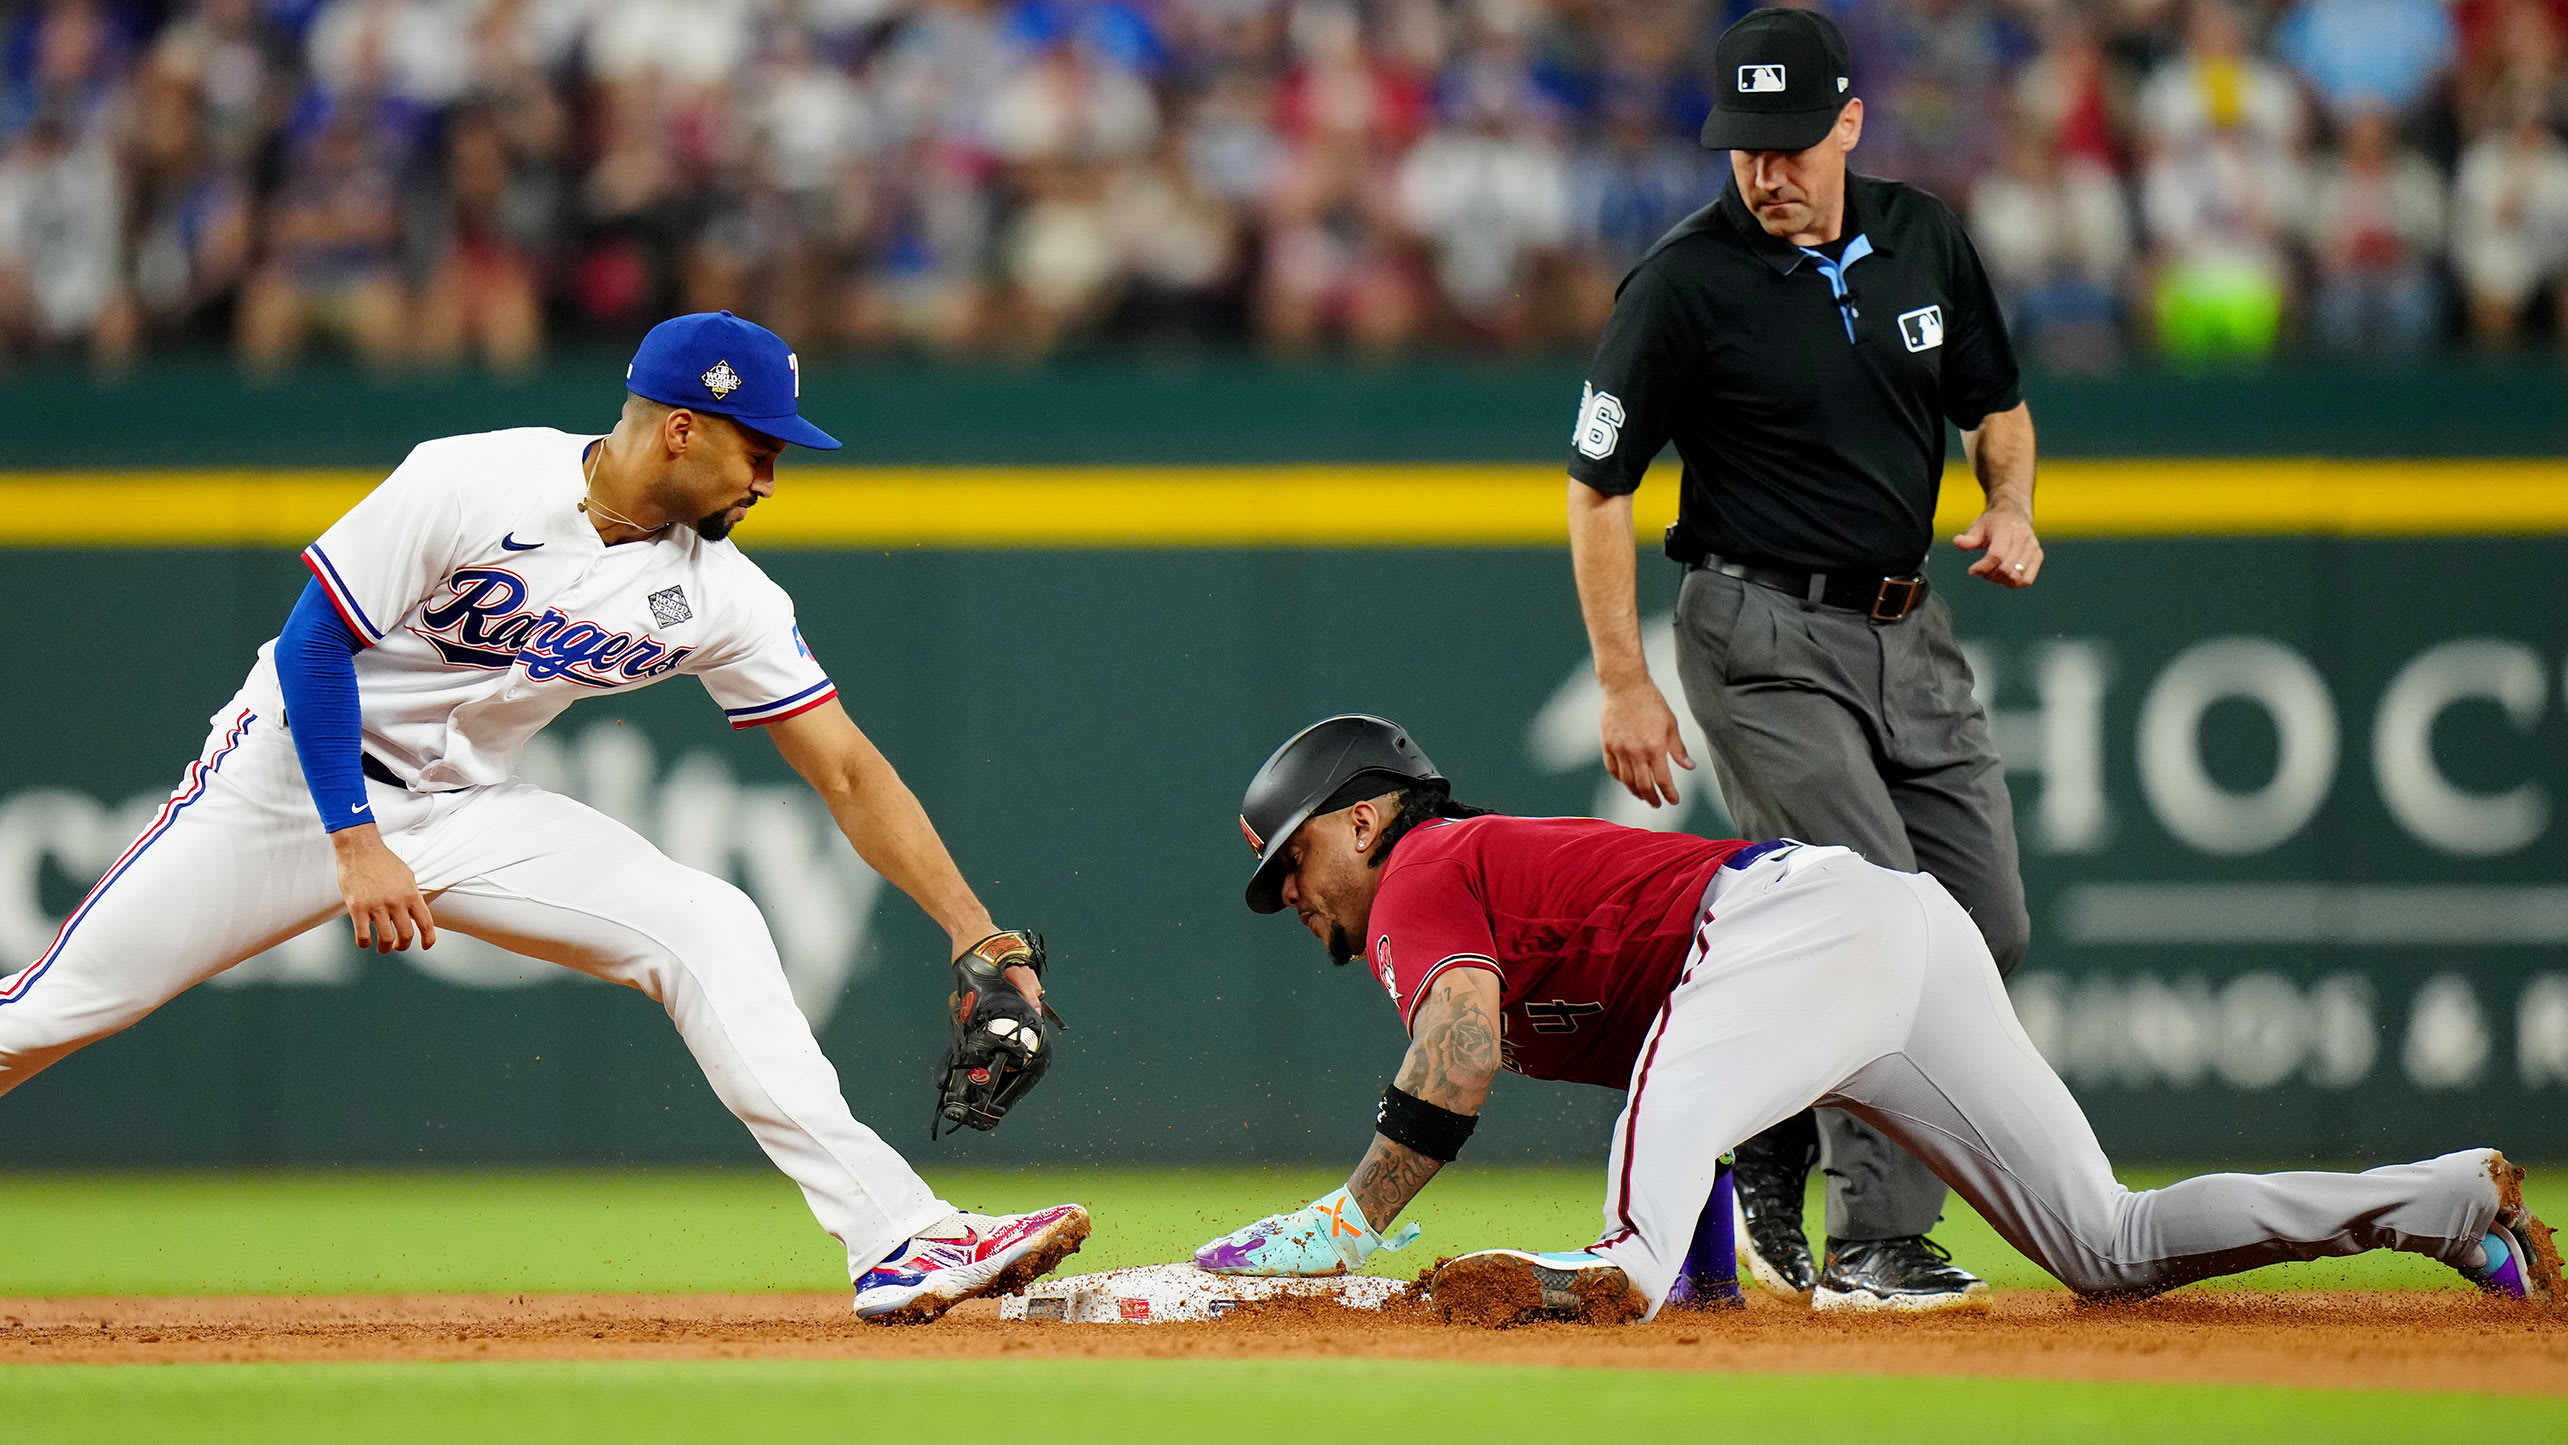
967,1256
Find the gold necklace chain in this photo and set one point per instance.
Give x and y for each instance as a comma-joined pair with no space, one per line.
589,503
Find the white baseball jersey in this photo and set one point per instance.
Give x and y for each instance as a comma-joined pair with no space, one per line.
489,604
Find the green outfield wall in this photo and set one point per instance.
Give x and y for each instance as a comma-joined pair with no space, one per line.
2290,797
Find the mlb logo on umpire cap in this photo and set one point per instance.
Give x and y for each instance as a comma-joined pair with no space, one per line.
1789,75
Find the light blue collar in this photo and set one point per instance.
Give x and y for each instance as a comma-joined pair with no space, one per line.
1856,249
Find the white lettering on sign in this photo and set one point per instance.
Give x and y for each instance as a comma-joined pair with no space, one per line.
2257,1031
2541,1030
2447,1038
2447,818
2189,802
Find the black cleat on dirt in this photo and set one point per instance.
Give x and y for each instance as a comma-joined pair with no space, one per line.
1772,1247
1909,1275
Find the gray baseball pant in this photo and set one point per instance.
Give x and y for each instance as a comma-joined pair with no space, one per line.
1831,728
1817,977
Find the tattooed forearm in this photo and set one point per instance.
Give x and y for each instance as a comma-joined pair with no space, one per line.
1453,1056
1390,1176
1453,1059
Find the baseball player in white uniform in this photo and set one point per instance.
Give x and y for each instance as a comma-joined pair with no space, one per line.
487,584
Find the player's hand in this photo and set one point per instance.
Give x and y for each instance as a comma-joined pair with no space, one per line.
2014,554
1026,983
1328,1236
381,892
1012,952
1640,737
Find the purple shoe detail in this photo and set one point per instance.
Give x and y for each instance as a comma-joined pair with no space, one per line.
1709,1278
1224,1254
2503,1273
1707,1294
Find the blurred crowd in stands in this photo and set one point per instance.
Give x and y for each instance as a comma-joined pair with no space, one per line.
423,183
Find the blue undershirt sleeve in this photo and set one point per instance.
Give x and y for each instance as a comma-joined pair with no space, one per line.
317,671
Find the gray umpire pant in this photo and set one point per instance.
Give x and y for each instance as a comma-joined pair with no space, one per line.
1831,728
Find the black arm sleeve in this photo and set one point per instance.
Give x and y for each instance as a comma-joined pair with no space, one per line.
1626,410
1979,361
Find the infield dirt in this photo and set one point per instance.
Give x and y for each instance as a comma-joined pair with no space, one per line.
2411,1340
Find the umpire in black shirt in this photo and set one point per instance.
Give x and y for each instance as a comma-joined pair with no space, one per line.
1803,340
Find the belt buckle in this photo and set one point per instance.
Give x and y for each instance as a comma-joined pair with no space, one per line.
1907,592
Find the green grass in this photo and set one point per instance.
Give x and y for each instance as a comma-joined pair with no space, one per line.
1300,1401
683,1230
367,1232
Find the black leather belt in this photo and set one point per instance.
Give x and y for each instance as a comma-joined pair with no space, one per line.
377,771
1883,599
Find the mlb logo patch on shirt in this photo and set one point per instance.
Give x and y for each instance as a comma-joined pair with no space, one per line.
669,607
1923,328
1760,79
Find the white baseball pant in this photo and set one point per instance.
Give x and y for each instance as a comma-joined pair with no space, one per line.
235,863
1816,977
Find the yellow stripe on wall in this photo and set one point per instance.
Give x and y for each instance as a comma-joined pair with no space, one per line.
1327,506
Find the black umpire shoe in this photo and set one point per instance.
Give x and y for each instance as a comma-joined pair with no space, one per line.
1772,1247
1908,1275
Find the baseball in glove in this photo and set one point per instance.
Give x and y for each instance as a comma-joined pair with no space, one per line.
1002,1043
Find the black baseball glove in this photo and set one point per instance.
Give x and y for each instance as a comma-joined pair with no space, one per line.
1002,1043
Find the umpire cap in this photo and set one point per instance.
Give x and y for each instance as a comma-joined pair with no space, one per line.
1319,771
1783,76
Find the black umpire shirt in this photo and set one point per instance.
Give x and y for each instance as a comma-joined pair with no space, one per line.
1806,391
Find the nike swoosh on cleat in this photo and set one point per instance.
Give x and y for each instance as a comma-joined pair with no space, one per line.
509,541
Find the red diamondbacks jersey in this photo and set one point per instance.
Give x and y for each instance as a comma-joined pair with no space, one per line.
1586,924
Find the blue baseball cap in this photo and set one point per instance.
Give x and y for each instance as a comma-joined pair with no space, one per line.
714,361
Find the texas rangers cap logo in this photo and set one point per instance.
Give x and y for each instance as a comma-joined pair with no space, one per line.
721,380
1255,843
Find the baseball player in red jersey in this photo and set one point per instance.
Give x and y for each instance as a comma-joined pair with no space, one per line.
1728,985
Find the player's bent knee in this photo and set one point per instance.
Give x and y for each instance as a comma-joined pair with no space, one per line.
713,922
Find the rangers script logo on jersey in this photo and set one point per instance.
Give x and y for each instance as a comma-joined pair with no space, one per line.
481,623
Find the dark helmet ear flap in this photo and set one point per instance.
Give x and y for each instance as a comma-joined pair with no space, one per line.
1301,776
